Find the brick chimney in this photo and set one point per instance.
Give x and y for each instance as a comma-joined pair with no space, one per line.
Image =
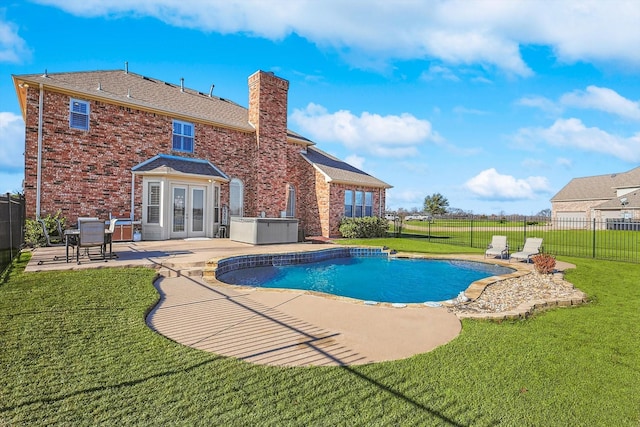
268,113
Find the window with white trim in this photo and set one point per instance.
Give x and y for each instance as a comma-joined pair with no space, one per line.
216,204
153,203
183,136
236,197
348,203
79,114
368,203
358,203
291,201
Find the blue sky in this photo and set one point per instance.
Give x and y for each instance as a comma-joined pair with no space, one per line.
494,104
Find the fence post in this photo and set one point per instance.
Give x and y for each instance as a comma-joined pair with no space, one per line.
10,228
524,229
593,249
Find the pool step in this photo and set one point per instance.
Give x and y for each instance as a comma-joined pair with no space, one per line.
170,271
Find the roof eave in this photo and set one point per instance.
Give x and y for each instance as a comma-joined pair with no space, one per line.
116,100
170,172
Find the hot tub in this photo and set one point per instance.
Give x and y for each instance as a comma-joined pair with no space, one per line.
264,231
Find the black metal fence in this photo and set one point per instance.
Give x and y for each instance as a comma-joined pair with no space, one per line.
610,239
12,220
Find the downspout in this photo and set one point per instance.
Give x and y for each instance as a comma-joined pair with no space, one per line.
39,164
133,185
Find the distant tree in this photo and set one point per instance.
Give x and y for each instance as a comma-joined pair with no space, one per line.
545,213
436,204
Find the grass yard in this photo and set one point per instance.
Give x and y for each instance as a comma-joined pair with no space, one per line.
75,350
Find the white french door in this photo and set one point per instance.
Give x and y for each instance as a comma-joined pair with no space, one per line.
188,211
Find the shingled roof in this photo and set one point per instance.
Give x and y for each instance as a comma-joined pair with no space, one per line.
599,187
164,163
631,201
337,171
131,89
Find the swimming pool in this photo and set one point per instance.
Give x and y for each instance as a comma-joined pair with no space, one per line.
369,276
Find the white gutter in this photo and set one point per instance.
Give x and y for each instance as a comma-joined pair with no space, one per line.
39,166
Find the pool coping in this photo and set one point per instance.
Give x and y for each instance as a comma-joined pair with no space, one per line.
473,291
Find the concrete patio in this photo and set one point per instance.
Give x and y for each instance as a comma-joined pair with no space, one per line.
284,328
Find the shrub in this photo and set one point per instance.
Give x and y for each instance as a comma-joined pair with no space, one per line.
363,228
544,263
33,235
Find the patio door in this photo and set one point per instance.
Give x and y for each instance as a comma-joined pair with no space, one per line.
188,211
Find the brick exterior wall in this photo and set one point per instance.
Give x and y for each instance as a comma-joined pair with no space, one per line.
268,113
88,173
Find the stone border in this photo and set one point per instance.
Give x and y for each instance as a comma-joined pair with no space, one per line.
472,292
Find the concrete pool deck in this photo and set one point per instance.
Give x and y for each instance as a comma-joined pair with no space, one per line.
284,328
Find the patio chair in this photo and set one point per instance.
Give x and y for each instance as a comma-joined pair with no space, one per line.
532,246
108,237
498,247
91,234
51,240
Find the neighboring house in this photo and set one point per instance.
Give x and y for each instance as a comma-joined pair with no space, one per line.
115,143
614,197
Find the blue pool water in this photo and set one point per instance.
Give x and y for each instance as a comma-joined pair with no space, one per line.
381,279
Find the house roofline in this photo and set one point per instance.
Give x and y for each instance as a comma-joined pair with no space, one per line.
114,100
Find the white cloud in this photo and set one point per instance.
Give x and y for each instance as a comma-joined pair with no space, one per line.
355,161
488,33
12,47
544,104
491,185
602,99
11,142
572,133
397,198
464,110
11,152
564,162
438,71
386,136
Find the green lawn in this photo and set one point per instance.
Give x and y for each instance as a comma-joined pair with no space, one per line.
75,351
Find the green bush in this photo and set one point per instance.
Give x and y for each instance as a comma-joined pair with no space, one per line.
364,228
33,234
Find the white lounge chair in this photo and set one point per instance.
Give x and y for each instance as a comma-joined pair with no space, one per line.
531,247
498,247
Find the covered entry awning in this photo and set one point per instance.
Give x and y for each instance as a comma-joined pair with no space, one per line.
164,164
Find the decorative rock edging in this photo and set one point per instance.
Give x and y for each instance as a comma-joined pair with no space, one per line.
525,295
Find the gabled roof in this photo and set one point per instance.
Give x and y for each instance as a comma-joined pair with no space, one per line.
628,201
145,93
599,187
339,172
166,164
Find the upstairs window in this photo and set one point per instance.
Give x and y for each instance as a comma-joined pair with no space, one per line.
79,114
183,136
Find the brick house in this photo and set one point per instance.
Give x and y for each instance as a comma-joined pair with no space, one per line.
181,162
602,197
